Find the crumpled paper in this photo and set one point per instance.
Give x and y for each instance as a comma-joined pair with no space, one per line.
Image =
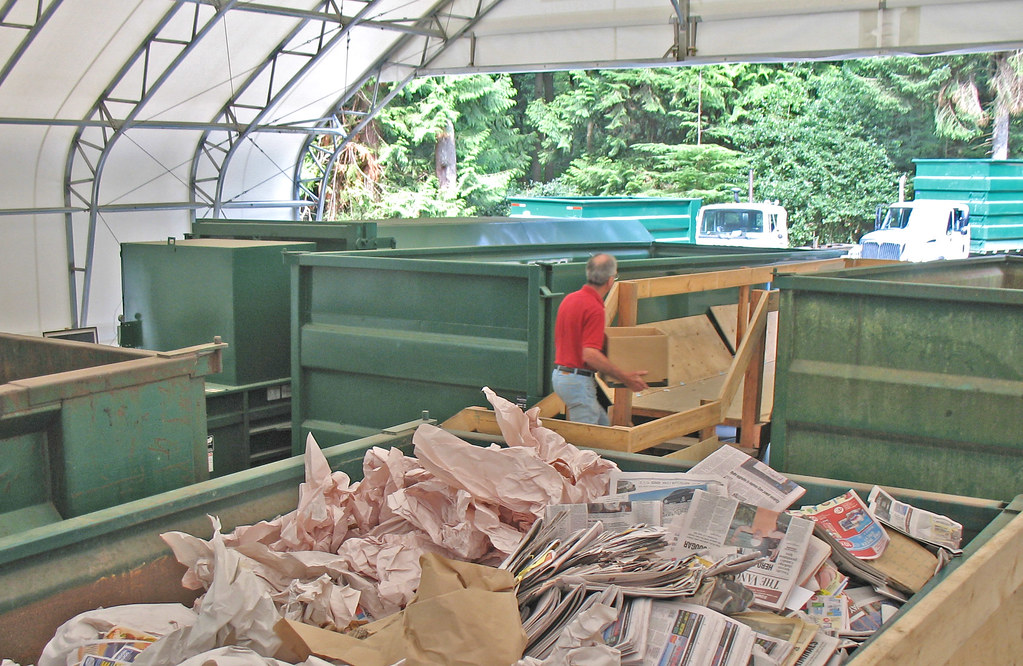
350,552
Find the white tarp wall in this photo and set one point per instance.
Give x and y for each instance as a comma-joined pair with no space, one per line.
74,71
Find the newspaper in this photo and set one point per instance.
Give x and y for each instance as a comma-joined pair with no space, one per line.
749,480
684,634
847,519
626,483
614,514
723,525
628,634
922,525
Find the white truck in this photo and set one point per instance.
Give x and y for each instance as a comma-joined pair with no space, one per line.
744,224
921,230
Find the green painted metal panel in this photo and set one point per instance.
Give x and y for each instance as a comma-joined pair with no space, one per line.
387,334
115,556
993,189
664,217
189,291
908,375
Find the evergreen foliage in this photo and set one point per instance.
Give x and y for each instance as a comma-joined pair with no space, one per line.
828,140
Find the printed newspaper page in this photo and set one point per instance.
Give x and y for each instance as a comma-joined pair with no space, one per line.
749,480
684,634
616,515
723,525
847,519
922,525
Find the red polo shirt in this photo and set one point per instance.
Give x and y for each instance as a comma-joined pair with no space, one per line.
579,324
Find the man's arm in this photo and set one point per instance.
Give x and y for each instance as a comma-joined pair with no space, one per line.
594,358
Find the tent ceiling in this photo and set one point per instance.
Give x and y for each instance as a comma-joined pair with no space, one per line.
123,119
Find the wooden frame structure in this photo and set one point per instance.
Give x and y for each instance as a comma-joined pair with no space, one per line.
746,370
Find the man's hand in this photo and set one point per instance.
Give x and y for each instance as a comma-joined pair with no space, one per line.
596,360
635,381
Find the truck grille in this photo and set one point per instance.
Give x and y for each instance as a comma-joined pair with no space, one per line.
881,251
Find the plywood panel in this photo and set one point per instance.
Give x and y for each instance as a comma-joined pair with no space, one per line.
695,350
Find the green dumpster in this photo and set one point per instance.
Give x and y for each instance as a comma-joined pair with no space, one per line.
84,426
387,334
115,556
909,375
993,189
666,218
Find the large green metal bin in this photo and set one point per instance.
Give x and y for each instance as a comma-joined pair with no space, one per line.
993,189
185,292
388,334
667,219
909,375
115,556
84,427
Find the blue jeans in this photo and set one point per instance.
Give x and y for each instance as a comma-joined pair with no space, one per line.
580,396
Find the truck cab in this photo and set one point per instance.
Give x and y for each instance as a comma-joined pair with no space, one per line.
921,230
744,224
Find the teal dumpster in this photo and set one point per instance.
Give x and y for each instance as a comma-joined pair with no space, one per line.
666,218
993,189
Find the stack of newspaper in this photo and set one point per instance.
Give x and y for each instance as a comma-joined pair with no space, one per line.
714,566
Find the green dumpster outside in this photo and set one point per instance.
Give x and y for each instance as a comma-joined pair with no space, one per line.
666,218
993,189
115,556
909,375
85,427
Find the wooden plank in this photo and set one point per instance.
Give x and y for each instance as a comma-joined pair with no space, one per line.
653,433
745,353
965,619
680,398
628,306
580,434
682,284
752,385
551,406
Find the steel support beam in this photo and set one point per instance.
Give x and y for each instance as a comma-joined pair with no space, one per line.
91,147
42,15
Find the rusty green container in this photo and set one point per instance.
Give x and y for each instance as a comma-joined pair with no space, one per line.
909,375
84,427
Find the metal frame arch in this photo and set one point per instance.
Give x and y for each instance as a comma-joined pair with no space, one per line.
374,71
322,49
94,153
33,30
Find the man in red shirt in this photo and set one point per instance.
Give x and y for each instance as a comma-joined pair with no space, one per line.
579,345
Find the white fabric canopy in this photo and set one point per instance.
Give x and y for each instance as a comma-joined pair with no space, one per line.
120,120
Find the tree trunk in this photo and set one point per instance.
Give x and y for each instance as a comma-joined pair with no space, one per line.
1000,134
447,171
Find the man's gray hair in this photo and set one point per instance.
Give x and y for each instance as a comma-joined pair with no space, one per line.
601,268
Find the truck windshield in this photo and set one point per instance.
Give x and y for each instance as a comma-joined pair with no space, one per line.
736,223
896,218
